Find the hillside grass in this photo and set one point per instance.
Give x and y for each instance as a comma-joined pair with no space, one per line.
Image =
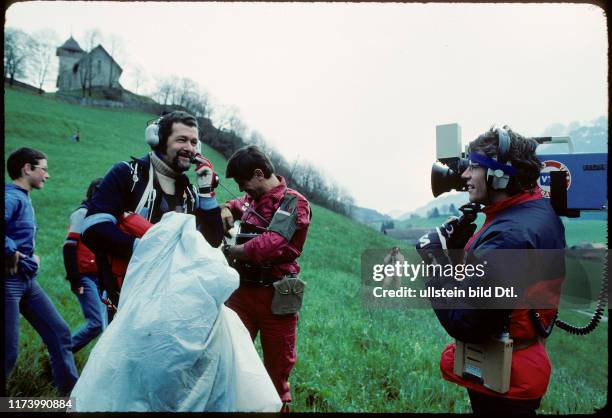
350,359
576,230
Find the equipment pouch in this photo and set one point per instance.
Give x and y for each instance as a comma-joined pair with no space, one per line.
284,221
288,294
489,363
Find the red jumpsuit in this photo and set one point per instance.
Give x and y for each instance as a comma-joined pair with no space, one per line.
252,301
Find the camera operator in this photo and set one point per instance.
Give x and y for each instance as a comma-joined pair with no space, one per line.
502,174
269,261
150,187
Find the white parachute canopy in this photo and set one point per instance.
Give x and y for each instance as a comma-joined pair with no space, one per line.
173,345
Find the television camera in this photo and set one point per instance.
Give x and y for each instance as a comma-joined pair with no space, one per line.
572,181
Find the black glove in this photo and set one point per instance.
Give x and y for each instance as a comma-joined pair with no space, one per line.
457,232
431,247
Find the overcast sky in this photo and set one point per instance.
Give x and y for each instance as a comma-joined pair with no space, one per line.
358,89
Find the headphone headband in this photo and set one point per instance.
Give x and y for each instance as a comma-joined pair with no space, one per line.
504,145
152,133
492,164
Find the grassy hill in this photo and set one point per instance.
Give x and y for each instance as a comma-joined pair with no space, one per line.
576,229
350,359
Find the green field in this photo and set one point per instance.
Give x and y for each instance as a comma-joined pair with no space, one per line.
349,359
576,230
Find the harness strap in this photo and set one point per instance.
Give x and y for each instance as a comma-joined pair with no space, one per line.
148,197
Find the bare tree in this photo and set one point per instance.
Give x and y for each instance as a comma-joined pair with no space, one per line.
303,175
17,46
185,90
138,76
291,173
202,106
257,138
116,50
86,70
164,89
173,82
43,53
230,119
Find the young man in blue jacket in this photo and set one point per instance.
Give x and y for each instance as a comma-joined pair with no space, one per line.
22,294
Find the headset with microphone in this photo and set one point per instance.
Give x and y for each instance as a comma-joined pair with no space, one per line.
499,169
152,134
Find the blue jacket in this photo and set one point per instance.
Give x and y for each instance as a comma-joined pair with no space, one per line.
120,191
521,222
20,228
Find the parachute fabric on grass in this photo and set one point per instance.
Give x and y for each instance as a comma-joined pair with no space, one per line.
173,345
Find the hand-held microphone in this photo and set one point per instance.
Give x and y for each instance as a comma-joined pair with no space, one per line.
199,159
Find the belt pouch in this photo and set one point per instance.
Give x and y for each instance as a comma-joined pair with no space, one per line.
288,294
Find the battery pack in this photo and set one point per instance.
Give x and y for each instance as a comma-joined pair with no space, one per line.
488,363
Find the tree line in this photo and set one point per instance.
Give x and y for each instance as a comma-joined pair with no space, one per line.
300,175
28,57
33,58
231,133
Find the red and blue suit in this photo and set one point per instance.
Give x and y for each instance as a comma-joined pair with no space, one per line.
525,221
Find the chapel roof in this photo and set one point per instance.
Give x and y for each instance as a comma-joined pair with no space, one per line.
71,45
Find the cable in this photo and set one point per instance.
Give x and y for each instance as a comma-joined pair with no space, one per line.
602,301
249,209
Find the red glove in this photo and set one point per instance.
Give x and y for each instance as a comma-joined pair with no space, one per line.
206,177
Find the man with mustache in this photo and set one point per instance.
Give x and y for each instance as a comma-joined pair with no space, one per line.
152,186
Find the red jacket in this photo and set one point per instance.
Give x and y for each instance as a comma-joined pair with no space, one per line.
271,247
78,259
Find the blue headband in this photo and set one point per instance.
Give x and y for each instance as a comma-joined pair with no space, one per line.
491,163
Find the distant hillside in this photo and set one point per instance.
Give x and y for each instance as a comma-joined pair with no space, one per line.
395,213
587,137
442,203
367,215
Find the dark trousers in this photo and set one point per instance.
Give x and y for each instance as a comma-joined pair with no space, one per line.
253,303
485,404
